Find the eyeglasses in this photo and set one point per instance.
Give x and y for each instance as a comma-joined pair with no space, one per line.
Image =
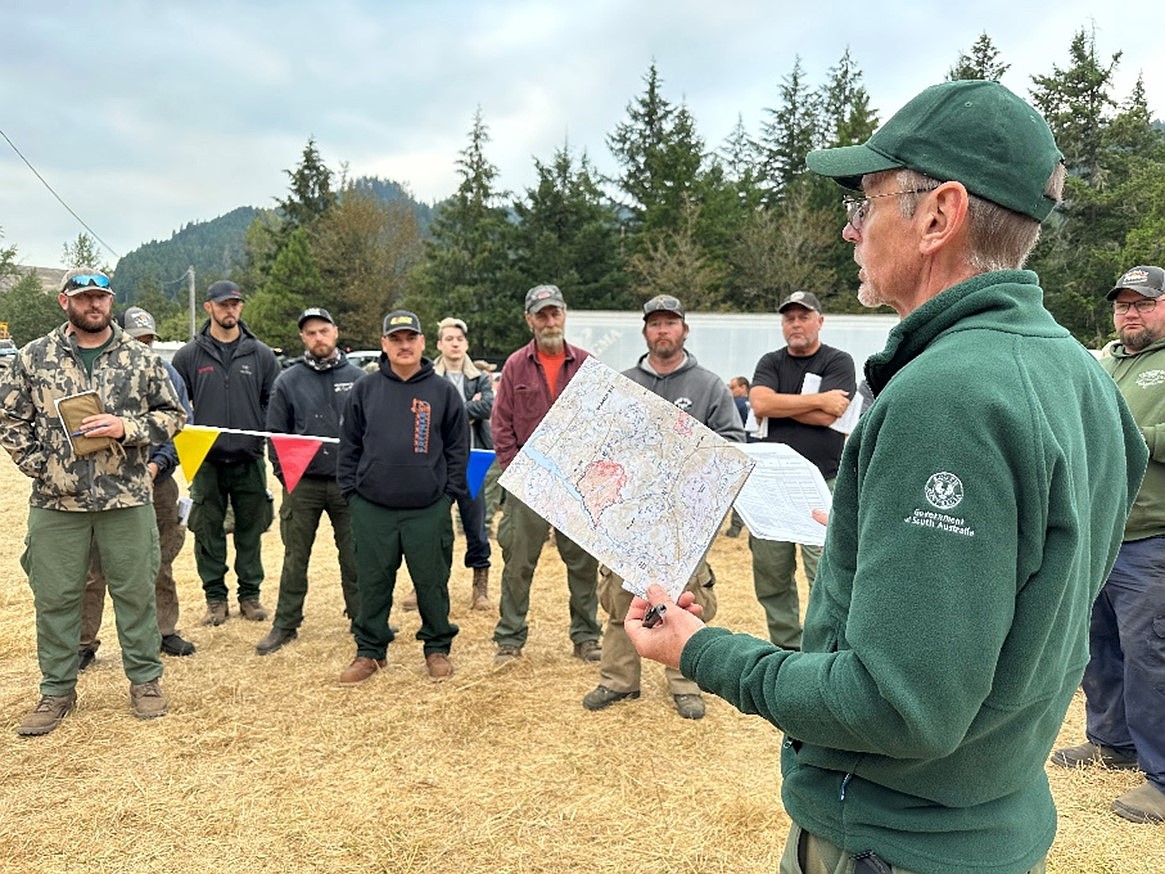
1147,305
84,280
856,207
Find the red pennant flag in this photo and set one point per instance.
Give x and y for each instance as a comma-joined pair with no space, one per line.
294,454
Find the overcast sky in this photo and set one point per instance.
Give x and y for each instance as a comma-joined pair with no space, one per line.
145,116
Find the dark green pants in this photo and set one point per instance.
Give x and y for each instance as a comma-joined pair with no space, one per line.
244,485
381,536
299,520
56,559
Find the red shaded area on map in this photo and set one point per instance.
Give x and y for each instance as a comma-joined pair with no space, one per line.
600,485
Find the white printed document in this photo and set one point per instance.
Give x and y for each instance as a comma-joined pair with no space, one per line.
779,494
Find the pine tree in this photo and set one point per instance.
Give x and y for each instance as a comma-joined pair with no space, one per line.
568,234
466,268
789,133
982,63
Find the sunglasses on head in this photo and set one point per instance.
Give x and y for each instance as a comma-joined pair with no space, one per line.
85,280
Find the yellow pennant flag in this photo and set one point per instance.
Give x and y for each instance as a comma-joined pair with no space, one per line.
192,443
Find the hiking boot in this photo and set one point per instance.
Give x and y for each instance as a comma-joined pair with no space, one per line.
689,706
86,655
1089,753
147,700
361,669
47,714
506,654
253,610
409,601
438,666
588,651
481,589
216,613
601,697
173,644
275,639
1146,803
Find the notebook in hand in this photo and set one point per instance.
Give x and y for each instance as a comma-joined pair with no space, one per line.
72,409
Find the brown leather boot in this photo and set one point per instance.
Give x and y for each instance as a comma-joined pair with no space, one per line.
481,589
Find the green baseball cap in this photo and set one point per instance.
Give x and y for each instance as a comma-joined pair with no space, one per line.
971,131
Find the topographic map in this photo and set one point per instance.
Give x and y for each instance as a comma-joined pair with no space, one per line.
625,474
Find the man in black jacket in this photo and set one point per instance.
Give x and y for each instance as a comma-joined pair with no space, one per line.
309,398
229,373
404,446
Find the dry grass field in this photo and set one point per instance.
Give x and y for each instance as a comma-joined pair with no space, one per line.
265,764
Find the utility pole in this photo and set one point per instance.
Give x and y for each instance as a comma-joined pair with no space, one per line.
190,281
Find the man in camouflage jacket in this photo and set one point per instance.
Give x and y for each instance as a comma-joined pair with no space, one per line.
103,497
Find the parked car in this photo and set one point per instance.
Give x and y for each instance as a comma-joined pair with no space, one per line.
365,359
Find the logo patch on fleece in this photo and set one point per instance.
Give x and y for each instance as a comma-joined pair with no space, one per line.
1150,379
943,491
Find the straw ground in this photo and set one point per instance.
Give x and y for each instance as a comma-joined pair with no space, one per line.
265,764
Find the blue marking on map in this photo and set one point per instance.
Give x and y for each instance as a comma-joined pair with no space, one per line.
550,465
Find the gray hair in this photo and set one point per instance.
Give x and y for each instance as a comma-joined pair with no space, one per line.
1000,238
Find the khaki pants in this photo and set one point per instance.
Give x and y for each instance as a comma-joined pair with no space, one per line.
619,669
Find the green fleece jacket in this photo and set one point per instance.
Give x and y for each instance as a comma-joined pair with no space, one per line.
979,507
1140,376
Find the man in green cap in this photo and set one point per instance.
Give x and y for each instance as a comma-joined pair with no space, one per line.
978,508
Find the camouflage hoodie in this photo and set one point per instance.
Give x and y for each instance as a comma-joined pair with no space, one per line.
132,384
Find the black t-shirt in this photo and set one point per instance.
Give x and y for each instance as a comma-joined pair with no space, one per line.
785,374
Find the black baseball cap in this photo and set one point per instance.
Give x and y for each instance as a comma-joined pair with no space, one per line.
315,313
222,290
805,299
1146,280
401,320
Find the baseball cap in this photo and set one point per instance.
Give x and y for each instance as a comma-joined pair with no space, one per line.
663,303
138,323
224,289
541,296
1147,281
971,131
401,320
84,279
315,313
805,299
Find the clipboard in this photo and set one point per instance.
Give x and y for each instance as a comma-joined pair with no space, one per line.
72,409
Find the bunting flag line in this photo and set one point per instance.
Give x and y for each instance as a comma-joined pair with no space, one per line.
479,462
294,456
194,441
192,444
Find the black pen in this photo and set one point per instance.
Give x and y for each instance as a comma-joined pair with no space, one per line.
654,615
85,431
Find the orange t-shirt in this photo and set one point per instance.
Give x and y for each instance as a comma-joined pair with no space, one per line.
552,364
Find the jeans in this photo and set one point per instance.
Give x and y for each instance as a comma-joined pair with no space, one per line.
1124,682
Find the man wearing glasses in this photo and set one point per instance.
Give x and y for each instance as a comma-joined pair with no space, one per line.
978,508
1122,683
230,374
90,485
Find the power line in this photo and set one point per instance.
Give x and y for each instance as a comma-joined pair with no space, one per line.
60,200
